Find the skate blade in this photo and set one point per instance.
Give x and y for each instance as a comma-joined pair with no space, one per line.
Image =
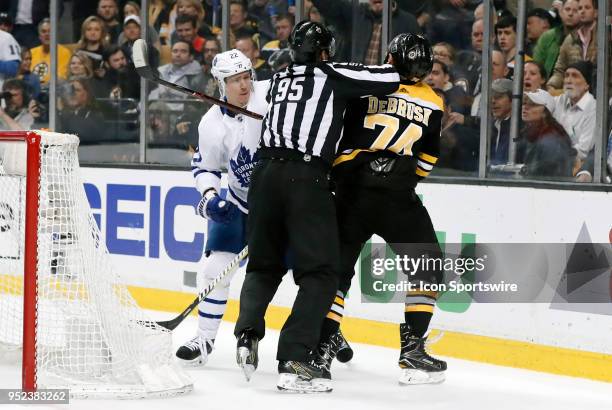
194,363
291,383
242,357
414,376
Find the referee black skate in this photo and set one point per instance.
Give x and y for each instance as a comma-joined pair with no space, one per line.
291,206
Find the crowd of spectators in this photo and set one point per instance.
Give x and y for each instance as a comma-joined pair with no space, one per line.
98,83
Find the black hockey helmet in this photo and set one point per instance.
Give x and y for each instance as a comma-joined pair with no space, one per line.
308,39
412,56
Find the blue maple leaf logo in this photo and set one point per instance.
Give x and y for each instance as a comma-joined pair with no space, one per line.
243,165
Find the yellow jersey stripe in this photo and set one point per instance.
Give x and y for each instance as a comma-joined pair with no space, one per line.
429,158
430,293
421,173
420,308
339,301
423,92
348,157
336,317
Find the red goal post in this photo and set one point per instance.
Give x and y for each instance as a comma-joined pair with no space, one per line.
32,141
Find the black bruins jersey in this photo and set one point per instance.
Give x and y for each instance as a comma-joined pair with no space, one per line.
406,123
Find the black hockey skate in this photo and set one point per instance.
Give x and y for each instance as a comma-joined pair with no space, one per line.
417,366
303,377
327,351
246,352
196,351
345,351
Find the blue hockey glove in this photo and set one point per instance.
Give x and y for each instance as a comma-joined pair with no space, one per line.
215,208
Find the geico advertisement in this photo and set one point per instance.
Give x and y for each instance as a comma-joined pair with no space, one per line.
148,221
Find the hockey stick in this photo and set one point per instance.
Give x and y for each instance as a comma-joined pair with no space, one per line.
173,323
140,56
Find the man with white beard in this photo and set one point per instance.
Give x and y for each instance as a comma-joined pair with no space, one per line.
575,108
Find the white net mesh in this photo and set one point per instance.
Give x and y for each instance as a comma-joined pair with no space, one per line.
90,333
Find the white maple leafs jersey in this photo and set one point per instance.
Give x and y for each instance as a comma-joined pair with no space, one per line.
229,142
9,50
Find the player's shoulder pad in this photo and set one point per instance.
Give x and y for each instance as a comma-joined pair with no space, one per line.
211,123
423,94
258,102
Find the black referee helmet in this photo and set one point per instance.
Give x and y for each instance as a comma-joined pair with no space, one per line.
412,56
308,39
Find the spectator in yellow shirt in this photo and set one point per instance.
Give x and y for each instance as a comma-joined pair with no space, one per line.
41,55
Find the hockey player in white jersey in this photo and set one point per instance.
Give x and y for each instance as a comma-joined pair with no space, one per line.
227,141
10,56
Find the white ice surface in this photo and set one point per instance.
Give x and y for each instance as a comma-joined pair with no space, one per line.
368,382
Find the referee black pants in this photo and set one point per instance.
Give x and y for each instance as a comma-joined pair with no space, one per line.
291,208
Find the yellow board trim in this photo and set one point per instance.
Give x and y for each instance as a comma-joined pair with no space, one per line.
419,308
493,350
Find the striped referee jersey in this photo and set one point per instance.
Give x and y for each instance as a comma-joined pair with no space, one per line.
306,104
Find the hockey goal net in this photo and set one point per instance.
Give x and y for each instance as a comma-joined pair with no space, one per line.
62,307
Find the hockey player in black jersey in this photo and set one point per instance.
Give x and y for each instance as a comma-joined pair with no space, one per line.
390,143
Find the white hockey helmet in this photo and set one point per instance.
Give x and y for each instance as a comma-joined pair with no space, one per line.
229,63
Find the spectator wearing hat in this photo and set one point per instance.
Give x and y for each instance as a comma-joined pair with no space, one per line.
538,22
544,146
131,33
547,48
575,108
131,10
580,44
501,107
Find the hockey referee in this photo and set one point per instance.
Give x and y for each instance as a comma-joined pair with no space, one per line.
291,207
